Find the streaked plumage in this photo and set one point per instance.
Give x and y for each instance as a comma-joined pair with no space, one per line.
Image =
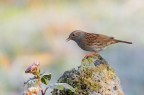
93,42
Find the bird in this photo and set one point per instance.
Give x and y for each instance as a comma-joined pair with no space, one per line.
93,42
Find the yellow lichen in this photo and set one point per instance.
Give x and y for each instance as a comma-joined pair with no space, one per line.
95,75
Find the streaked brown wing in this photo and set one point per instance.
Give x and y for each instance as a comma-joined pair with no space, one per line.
98,39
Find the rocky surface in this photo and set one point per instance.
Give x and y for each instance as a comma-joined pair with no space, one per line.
94,77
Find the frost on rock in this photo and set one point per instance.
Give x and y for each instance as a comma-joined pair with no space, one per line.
94,77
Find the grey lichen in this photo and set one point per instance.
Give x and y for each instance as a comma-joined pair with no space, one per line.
94,77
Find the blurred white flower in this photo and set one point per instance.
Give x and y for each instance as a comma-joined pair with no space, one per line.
32,91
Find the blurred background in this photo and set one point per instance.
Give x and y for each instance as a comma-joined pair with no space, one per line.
36,30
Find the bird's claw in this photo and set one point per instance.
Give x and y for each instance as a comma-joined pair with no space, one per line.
89,55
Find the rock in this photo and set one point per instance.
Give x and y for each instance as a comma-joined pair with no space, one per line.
94,77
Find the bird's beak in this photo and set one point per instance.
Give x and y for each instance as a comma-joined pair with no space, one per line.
67,39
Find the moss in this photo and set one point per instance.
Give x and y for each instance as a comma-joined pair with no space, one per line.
94,75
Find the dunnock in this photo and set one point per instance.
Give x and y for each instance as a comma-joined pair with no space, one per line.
92,42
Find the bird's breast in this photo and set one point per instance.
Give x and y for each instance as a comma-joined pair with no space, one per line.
82,45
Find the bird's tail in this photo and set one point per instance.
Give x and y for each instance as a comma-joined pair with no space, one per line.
123,41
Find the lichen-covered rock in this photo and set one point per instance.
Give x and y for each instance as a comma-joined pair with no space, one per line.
93,77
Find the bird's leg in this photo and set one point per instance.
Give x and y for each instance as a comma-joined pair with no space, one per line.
90,55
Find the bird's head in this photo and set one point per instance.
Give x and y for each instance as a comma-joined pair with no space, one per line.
75,35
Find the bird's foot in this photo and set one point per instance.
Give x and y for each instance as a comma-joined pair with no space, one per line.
90,55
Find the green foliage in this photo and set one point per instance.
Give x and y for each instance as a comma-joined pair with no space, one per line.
62,86
45,79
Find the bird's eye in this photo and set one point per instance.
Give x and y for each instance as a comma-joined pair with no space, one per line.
73,35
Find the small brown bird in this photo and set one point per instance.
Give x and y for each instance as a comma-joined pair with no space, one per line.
92,42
